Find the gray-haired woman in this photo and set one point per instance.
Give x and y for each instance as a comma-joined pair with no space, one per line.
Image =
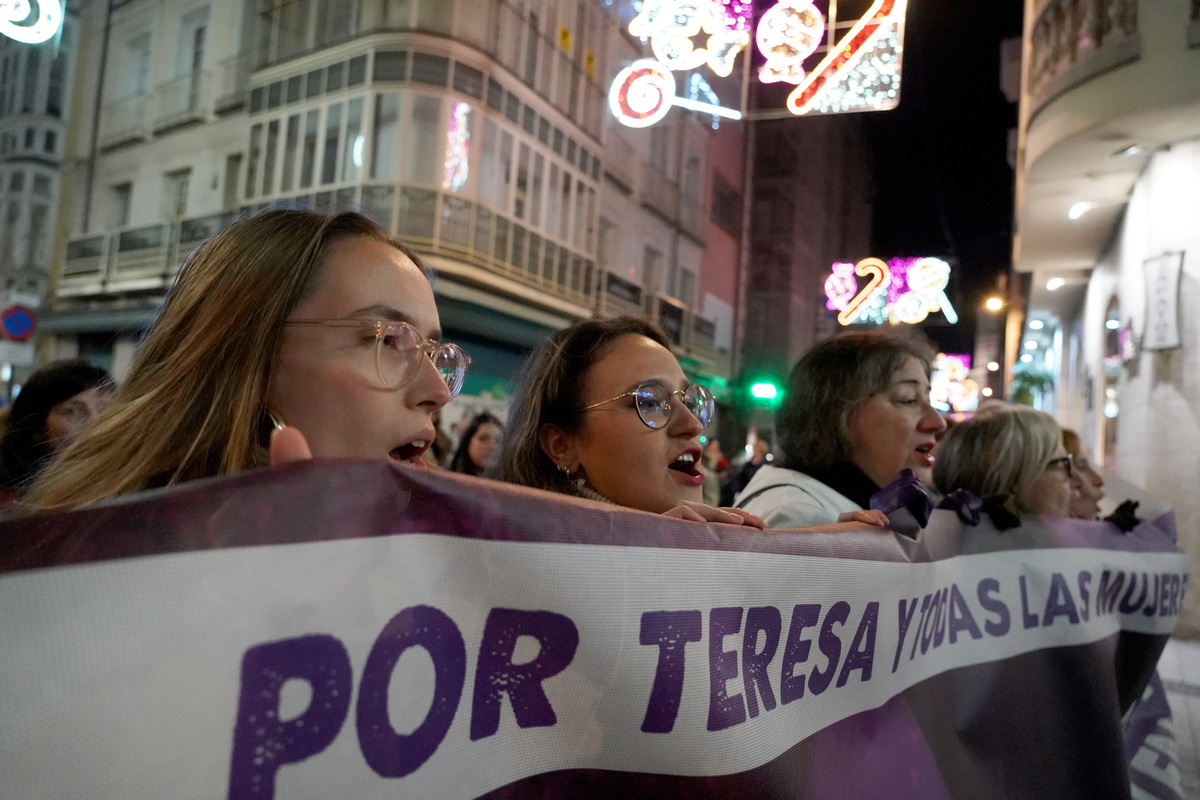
855,415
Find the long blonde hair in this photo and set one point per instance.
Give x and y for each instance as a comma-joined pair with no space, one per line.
194,404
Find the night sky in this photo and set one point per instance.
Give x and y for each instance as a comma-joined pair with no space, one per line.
943,183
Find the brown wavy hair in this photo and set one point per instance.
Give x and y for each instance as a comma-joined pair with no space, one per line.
551,391
194,404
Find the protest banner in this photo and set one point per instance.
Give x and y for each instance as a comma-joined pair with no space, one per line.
362,630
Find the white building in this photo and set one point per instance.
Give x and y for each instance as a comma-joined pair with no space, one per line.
476,131
1108,215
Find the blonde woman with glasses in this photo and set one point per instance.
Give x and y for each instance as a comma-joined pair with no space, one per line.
1015,451
290,334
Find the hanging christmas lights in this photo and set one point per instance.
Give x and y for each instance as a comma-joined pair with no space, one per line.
14,14
904,290
671,25
861,72
644,92
788,33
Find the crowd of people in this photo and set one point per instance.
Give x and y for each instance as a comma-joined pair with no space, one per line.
296,334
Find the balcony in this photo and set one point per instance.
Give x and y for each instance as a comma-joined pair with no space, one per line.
1075,40
1107,82
432,222
230,80
124,120
180,101
659,193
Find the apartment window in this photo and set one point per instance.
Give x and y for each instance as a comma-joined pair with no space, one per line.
175,193
33,60
651,269
233,168
255,157
436,16
535,199
117,209
385,140
54,86
425,141
308,154
338,21
283,29
50,143
726,207
352,159
687,286
333,130
291,145
133,76
520,199
269,154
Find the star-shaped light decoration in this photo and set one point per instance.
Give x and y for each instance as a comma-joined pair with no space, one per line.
670,25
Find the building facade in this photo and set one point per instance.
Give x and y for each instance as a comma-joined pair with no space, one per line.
477,132
1108,238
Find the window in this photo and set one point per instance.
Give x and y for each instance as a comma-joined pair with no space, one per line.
535,200
175,193
352,159
134,71
117,209
255,157
435,16
390,65
233,167
337,22
651,269
333,130
726,207
51,142
269,155
291,144
308,154
385,142
54,87
33,60
520,199
425,141
283,27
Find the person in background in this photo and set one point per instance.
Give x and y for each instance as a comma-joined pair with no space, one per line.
713,463
288,335
476,452
439,450
855,414
55,405
757,459
1090,488
1016,452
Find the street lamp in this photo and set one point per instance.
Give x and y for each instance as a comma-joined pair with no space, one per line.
994,304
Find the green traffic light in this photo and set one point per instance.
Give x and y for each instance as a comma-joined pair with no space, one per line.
764,391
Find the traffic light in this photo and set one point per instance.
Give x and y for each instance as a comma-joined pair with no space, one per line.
764,391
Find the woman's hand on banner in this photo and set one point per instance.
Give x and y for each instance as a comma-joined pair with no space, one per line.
698,512
868,517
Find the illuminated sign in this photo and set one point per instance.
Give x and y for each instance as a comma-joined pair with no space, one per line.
903,290
949,387
15,14
672,26
644,92
860,70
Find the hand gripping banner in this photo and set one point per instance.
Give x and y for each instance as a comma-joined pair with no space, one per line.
361,630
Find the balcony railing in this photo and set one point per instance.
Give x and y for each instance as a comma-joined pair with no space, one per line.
660,193
181,100
230,79
124,120
1075,40
432,222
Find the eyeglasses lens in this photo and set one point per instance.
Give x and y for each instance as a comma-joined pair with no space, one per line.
699,401
451,362
654,404
400,352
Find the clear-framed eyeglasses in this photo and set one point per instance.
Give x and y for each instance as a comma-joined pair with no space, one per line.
653,403
400,350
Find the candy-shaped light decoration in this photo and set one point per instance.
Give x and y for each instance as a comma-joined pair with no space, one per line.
904,290
670,25
644,92
862,71
45,25
788,33
458,149
950,388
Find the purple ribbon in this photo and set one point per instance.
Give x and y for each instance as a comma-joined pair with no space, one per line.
907,503
966,504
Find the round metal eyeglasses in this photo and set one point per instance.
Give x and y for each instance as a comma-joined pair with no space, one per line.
653,403
400,351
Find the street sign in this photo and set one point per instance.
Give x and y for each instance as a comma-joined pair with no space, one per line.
19,354
18,323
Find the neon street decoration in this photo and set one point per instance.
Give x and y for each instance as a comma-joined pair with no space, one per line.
458,149
644,92
672,25
788,33
903,290
949,387
701,92
861,72
48,20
